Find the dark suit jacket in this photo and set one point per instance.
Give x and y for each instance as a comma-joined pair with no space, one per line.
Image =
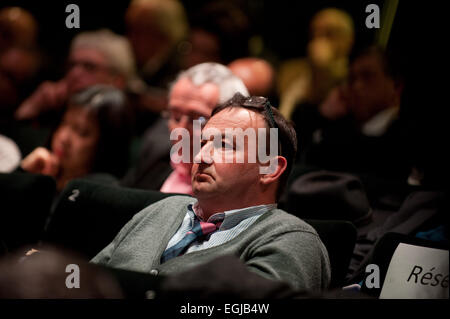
153,165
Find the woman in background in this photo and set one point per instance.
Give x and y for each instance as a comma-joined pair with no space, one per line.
92,139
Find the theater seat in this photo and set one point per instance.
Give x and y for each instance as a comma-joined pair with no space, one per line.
25,201
89,215
339,238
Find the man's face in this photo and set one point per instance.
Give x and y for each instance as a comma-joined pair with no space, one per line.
370,88
227,179
87,67
330,38
145,33
188,102
205,47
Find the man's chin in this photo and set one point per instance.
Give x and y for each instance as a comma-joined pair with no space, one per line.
201,190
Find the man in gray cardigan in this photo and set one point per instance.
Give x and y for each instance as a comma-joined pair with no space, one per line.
234,210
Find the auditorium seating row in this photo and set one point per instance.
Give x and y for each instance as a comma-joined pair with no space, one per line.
86,217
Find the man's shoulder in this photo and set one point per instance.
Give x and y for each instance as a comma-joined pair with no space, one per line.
280,220
173,201
160,212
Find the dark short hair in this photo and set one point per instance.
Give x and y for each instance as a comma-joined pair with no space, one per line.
110,107
393,65
286,132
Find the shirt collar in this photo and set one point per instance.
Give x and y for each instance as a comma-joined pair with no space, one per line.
379,123
231,218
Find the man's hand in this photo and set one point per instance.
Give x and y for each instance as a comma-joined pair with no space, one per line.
335,105
41,161
49,95
31,252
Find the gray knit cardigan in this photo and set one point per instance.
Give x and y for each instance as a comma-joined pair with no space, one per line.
277,246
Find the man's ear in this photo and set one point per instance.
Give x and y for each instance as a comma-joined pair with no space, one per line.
280,165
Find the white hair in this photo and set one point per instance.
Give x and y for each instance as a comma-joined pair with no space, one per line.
114,47
218,74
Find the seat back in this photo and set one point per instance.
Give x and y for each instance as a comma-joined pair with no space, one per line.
339,238
25,204
88,215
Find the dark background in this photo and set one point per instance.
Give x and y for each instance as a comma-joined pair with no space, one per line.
418,36
282,24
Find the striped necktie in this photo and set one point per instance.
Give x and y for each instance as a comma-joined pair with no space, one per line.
200,229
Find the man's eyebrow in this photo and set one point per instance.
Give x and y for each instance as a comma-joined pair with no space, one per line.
223,136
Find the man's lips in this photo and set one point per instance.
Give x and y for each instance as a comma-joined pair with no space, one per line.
203,177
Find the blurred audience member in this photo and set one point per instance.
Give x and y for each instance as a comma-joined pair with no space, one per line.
310,79
17,28
92,137
371,138
18,68
193,96
257,75
47,275
375,89
311,120
219,33
20,61
155,28
96,57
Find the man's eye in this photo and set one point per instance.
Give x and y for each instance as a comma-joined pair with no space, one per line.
227,145
82,132
89,66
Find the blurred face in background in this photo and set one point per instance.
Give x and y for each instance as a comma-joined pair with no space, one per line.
188,102
146,36
75,141
331,36
203,46
87,67
371,89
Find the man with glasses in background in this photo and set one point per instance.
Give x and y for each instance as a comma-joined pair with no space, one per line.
193,96
95,57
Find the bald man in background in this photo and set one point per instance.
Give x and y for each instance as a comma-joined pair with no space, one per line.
257,75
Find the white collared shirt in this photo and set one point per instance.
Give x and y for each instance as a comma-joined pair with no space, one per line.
379,123
233,223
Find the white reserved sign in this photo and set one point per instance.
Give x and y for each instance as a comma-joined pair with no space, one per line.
416,273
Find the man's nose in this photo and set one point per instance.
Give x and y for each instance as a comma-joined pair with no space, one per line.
64,136
205,154
74,74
